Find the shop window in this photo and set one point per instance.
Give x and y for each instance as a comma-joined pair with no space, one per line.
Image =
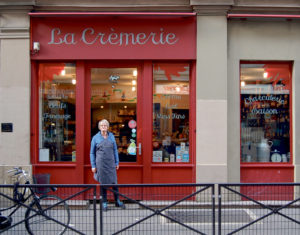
265,112
57,82
171,112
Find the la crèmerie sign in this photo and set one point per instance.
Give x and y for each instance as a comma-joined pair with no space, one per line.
90,37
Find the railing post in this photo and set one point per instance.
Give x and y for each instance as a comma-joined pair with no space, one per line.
214,207
95,209
101,212
219,210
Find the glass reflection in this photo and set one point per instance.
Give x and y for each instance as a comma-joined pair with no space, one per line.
170,113
265,112
57,112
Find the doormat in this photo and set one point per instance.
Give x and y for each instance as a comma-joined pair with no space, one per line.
206,216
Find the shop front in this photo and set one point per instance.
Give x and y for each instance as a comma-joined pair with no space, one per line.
266,122
136,71
264,89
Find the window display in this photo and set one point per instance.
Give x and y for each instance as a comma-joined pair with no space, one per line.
57,83
170,113
265,112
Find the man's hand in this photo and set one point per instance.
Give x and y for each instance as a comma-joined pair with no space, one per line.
117,167
94,170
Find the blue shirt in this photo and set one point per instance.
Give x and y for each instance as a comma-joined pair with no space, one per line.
98,138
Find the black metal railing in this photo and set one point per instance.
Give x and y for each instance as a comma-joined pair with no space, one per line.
67,209
259,208
163,209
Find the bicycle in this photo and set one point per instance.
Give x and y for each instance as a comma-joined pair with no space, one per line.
47,213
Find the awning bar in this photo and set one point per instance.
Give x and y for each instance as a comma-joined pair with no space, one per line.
112,14
262,16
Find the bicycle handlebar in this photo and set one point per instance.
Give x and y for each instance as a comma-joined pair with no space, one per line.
18,171
14,169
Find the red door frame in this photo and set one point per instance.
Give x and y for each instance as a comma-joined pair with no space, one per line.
79,171
147,86
125,168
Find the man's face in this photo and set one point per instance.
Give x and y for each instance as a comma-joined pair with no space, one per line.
103,127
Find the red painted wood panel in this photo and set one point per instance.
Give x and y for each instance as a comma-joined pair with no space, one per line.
111,37
172,174
268,174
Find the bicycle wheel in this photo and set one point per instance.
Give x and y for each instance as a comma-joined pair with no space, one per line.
49,209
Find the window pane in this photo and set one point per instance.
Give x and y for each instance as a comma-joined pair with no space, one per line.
57,112
265,112
171,113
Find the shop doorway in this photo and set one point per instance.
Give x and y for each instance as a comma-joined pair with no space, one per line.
115,96
149,111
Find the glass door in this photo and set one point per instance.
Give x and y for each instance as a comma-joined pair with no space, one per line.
114,98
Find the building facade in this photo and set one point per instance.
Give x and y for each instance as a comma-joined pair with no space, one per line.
194,91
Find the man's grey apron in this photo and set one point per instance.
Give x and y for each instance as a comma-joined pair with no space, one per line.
105,163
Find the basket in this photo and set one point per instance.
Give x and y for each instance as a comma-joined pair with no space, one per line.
41,179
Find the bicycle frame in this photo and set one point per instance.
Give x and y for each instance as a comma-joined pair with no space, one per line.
20,199
32,201
19,203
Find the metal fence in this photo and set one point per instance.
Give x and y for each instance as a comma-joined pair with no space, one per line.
83,213
259,209
164,209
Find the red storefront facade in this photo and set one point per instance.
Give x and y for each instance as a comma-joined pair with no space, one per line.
136,70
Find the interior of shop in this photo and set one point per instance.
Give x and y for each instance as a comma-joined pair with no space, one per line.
265,112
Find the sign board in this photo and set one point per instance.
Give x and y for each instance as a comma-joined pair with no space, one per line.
6,127
109,37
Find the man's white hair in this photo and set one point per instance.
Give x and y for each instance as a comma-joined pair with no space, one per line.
103,122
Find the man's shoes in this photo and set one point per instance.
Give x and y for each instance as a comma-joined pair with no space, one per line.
104,206
120,204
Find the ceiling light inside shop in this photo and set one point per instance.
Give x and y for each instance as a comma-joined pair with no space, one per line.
133,88
265,74
135,73
177,88
134,82
73,81
102,106
125,106
63,72
243,83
